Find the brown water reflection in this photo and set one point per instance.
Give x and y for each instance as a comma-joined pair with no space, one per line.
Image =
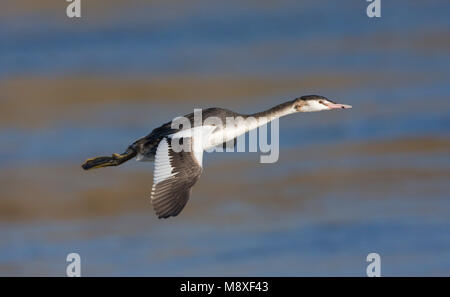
65,192
32,102
375,178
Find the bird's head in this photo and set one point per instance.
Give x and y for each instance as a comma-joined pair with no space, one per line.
311,103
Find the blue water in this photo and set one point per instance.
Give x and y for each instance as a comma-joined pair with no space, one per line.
303,230
217,38
295,246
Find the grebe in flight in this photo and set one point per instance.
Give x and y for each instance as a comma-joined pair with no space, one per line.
176,171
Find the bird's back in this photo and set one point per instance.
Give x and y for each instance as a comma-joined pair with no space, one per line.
147,145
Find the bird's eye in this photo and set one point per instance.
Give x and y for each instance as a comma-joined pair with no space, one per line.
321,102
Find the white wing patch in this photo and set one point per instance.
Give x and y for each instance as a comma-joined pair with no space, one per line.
197,149
163,166
200,139
175,174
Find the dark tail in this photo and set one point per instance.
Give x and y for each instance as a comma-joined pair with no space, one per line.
114,160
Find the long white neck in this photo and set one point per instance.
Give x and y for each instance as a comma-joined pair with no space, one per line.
271,114
245,123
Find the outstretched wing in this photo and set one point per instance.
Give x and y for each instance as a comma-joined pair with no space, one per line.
175,174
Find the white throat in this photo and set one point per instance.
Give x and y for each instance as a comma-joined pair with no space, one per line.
313,106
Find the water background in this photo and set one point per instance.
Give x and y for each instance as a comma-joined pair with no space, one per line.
372,179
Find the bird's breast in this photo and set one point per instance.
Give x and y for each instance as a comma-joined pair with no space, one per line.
224,134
